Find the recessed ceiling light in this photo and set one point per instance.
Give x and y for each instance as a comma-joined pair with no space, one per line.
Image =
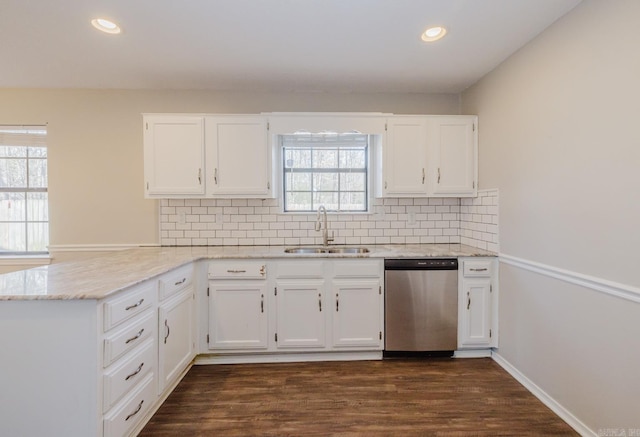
106,25
434,34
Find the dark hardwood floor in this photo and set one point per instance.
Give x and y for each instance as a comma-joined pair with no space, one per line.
429,397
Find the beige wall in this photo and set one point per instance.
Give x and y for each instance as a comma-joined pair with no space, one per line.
95,147
559,138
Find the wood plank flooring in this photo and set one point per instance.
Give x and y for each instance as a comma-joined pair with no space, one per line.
428,397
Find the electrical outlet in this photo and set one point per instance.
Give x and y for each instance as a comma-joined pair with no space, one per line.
411,218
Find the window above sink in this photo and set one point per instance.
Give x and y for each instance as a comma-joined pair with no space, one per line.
327,169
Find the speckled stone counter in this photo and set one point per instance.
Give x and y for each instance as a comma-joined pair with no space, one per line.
100,276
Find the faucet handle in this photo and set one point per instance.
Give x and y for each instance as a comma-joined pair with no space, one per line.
331,238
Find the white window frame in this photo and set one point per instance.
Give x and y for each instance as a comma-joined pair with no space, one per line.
368,175
25,136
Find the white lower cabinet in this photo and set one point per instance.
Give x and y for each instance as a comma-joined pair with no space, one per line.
314,305
124,417
357,311
300,317
176,344
476,301
237,316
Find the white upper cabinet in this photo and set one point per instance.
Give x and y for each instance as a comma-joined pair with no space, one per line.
454,146
232,156
404,157
238,157
429,156
173,156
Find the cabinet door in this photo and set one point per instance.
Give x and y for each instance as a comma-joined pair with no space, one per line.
176,344
454,147
404,164
300,318
357,313
238,315
173,156
475,313
238,156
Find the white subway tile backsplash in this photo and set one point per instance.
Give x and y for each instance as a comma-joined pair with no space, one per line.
234,222
479,221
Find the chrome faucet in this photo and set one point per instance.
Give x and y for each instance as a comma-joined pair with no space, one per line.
325,229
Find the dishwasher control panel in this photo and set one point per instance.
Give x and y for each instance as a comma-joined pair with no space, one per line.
421,264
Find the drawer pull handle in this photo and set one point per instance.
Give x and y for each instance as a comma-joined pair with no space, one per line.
138,370
135,412
166,325
337,303
263,270
181,282
135,305
262,303
236,271
320,301
468,300
137,336
484,269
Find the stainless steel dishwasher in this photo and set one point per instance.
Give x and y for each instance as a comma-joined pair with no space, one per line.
421,306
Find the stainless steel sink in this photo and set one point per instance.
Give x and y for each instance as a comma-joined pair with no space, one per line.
348,250
306,250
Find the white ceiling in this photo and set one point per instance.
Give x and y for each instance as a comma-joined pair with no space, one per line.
265,45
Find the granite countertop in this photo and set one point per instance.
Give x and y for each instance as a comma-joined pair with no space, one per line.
100,276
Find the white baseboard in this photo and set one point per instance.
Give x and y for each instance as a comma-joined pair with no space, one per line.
555,406
472,353
288,358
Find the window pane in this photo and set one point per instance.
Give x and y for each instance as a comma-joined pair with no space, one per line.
325,158
352,182
12,237
352,201
37,152
299,201
319,160
12,207
329,200
38,237
13,173
37,173
37,207
352,158
298,181
297,158
13,151
325,182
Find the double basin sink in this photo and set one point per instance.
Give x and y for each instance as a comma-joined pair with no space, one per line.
337,250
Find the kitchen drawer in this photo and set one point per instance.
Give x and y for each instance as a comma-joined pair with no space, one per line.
238,269
477,268
127,338
128,303
360,269
300,269
127,414
124,374
175,281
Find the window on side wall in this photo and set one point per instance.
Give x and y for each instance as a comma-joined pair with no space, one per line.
24,203
325,169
